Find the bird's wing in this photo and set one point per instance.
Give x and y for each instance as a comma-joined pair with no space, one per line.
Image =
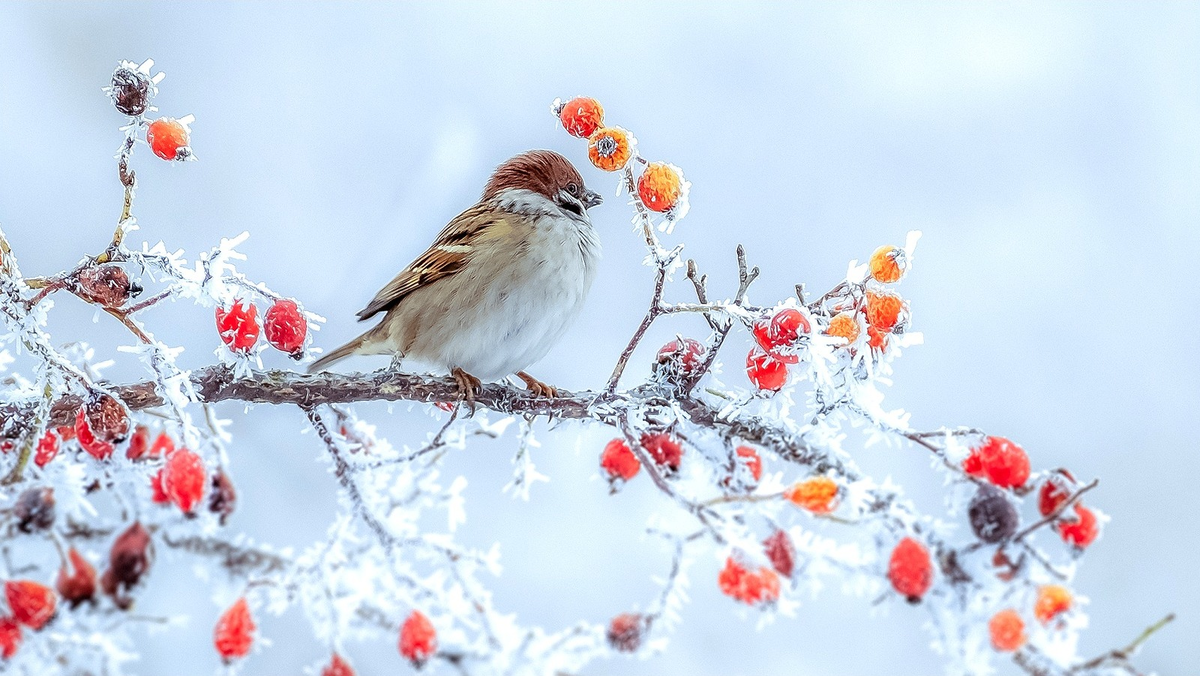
450,253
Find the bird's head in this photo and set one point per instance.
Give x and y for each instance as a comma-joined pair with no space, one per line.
548,174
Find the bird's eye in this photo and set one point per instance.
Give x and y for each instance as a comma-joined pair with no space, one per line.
573,189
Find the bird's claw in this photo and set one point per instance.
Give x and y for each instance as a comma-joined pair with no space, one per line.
536,387
468,387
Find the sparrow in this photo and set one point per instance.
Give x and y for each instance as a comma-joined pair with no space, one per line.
498,287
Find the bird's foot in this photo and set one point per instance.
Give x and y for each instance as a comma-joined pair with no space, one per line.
468,386
536,387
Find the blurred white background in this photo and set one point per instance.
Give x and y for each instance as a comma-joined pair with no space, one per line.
1049,152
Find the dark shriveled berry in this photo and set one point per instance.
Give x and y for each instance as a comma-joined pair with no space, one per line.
130,90
993,518
35,509
625,632
107,285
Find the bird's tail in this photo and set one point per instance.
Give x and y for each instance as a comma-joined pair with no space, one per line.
340,353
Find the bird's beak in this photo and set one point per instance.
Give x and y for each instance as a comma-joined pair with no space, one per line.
591,198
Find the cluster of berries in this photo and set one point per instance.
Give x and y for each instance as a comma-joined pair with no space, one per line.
285,327
33,605
1007,629
131,91
660,187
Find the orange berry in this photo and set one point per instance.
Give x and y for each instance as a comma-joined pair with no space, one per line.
581,116
886,312
817,494
610,148
1052,600
845,326
888,264
878,340
660,186
752,587
1007,630
168,138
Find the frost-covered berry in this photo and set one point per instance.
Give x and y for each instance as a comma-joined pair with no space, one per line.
418,638
47,448
1055,491
337,667
139,443
131,90
76,582
665,449
610,148
993,518
1000,461
238,326
888,264
285,328
128,560
222,500
625,632
233,635
877,340
163,446
749,458
910,570
677,359
618,462
107,285
758,586
1052,601
780,552
886,312
1082,530
34,509
844,325
184,478
765,372
779,332
1007,631
581,116
158,489
660,186
818,494
101,422
10,637
32,604
169,138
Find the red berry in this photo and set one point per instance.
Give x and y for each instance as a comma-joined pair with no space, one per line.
10,637
765,372
781,331
168,138
337,667
1000,461
581,116
99,450
666,451
444,405
1055,491
910,570
749,457
1052,601
101,422
781,552
47,449
660,186
234,634
32,604
618,461
158,491
680,360
418,638
76,583
752,587
285,327
184,478
139,443
1007,630
238,326
163,445
1082,530
625,632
